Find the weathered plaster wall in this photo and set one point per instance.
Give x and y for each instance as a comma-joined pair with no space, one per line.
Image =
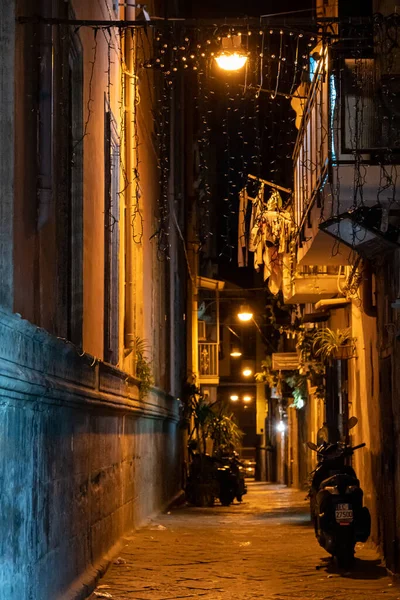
82,461
364,404
101,85
7,50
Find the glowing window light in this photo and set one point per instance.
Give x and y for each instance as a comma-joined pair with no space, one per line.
231,62
332,102
313,67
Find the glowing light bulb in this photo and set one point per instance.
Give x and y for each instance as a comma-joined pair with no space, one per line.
247,372
234,398
246,398
245,313
231,62
236,352
280,427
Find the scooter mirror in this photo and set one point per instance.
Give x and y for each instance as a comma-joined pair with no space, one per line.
352,422
312,446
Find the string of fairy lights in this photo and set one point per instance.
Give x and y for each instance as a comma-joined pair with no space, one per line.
249,107
367,123
193,51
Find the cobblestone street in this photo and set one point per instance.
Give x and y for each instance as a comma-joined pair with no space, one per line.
263,548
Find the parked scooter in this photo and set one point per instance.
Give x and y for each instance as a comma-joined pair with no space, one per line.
230,476
220,476
336,501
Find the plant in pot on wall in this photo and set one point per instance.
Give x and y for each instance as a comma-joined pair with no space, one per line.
330,345
143,367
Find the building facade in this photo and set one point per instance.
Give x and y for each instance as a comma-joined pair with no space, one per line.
345,269
92,318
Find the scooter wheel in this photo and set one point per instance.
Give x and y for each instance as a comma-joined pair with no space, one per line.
226,499
345,557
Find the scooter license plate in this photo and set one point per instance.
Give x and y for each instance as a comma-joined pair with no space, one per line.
344,514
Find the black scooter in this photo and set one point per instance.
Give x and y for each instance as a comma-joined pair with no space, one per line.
336,501
230,478
219,476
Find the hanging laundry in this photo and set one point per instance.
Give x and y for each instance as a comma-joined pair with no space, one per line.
242,243
268,236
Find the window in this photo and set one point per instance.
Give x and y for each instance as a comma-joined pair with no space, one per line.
75,204
111,239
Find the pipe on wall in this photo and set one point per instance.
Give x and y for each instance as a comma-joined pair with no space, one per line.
129,95
367,292
45,121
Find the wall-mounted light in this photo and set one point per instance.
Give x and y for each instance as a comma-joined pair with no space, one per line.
231,57
245,313
280,427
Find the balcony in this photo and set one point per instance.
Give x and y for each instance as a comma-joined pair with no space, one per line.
308,284
208,363
347,149
311,154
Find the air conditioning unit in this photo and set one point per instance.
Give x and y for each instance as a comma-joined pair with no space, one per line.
202,331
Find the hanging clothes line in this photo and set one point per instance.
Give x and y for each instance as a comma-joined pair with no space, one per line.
266,232
270,184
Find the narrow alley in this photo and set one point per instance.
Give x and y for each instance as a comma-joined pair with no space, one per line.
262,548
200,282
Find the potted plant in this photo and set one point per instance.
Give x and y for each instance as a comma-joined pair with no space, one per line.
329,345
211,426
267,374
143,367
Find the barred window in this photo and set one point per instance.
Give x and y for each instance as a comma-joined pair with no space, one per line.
111,239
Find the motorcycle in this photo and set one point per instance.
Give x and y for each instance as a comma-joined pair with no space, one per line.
219,476
230,477
336,500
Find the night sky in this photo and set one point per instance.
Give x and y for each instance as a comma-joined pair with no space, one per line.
262,146
222,8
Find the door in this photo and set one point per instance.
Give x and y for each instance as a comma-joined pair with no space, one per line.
387,495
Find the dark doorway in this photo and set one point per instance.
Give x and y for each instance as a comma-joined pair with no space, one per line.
387,499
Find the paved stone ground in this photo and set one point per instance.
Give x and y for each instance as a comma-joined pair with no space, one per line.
263,548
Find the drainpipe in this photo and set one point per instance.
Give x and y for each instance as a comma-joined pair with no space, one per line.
367,293
129,96
44,149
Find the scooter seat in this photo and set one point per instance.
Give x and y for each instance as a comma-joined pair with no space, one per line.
339,479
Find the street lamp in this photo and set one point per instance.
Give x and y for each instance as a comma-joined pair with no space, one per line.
236,352
245,313
231,58
247,372
248,367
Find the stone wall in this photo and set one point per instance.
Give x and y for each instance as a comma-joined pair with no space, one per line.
82,461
